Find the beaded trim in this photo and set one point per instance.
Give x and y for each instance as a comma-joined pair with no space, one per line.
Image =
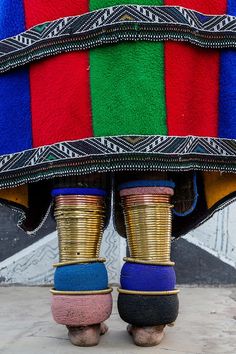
81,261
142,261
119,153
92,292
149,293
115,24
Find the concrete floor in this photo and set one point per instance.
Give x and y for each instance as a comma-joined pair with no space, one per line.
206,324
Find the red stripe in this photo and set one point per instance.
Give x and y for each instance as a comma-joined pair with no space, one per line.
60,92
192,80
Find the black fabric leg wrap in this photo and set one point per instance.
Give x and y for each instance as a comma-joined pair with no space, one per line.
148,310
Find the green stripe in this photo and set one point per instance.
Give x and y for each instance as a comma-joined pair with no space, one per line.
127,84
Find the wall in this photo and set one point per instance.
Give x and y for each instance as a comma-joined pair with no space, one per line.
205,256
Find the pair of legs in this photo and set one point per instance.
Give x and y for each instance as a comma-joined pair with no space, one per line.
147,298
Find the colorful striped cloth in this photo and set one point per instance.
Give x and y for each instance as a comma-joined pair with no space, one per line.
154,97
144,88
15,108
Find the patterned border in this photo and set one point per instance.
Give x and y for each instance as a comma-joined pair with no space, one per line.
115,24
118,153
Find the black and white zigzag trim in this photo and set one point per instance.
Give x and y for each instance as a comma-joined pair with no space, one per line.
115,24
118,153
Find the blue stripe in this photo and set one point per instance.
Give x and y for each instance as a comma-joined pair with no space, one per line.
15,116
78,191
227,100
195,199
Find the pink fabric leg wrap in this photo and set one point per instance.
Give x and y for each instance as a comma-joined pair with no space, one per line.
81,310
147,190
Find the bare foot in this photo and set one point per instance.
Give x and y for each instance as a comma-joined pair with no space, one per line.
87,336
146,336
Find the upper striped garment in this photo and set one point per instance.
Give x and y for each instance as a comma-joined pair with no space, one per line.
145,88
139,88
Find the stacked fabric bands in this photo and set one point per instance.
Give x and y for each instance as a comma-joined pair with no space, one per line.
80,279
148,296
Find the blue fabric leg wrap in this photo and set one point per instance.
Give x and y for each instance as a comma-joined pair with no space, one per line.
81,277
78,191
147,277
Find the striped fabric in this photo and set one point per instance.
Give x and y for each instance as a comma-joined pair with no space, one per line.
15,110
143,88
60,97
227,103
133,88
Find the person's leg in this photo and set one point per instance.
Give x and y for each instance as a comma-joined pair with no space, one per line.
148,299
81,298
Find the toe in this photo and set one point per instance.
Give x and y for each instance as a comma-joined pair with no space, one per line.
147,336
103,328
85,336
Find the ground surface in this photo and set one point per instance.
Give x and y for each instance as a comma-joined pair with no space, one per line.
206,324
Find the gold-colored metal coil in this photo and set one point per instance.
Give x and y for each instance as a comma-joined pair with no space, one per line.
148,221
85,260
80,223
148,197
151,293
77,197
89,292
153,262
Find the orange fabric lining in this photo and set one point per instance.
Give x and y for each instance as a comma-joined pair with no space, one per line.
17,195
217,186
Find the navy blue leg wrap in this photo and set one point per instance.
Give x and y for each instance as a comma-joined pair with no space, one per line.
146,277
